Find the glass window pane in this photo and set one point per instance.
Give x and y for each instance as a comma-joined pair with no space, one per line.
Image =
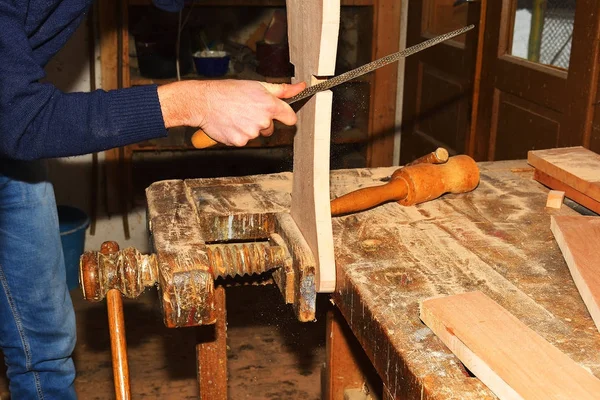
543,31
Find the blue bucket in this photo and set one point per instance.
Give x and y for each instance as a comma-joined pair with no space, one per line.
73,222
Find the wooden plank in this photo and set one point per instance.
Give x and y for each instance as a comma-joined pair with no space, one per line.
185,278
583,76
470,139
510,358
344,358
579,238
571,193
313,27
211,353
577,167
386,40
107,22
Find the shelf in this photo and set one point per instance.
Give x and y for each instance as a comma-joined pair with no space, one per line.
135,79
251,3
283,136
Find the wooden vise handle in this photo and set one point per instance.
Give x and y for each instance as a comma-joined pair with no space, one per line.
201,140
413,184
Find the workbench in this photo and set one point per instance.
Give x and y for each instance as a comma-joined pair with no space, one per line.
496,239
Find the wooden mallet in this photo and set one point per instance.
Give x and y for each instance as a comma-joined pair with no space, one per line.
413,184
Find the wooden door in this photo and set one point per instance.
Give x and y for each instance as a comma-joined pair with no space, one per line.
538,77
438,84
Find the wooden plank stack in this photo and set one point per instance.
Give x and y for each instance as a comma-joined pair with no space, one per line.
573,170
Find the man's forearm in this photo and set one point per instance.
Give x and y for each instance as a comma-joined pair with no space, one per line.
181,103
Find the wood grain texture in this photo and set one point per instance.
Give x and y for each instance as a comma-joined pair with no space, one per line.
118,345
211,353
577,167
313,27
579,239
382,127
555,199
184,275
344,358
509,357
495,239
471,136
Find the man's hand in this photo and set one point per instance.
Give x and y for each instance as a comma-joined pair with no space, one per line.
229,111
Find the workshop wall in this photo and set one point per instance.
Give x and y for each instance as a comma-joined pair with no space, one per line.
70,71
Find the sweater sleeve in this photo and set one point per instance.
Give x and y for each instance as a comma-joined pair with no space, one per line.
39,121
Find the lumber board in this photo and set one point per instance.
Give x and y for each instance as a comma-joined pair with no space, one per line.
509,357
579,239
313,27
576,167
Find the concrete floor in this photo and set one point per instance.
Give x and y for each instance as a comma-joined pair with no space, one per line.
270,354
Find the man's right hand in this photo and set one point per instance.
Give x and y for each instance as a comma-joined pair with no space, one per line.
231,112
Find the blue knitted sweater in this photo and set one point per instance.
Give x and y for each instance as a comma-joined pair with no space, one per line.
39,121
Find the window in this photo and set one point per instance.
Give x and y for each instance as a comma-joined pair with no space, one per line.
543,31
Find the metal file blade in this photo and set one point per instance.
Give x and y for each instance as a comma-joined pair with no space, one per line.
372,66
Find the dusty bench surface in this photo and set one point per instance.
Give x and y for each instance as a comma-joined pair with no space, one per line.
496,239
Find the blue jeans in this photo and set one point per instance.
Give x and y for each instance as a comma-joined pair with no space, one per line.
37,321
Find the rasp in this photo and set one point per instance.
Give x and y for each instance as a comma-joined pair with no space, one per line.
201,140
373,65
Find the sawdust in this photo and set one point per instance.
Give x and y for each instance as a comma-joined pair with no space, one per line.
268,193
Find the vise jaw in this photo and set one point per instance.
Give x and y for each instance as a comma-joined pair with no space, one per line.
196,242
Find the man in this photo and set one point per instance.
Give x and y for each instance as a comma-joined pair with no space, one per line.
37,326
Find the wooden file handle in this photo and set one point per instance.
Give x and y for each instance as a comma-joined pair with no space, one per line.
413,184
439,156
201,140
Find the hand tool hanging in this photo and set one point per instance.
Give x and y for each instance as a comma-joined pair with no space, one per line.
426,178
201,140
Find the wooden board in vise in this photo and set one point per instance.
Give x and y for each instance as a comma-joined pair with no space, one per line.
573,170
313,27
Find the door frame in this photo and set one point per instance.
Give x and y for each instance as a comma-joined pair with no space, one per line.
450,61
578,85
